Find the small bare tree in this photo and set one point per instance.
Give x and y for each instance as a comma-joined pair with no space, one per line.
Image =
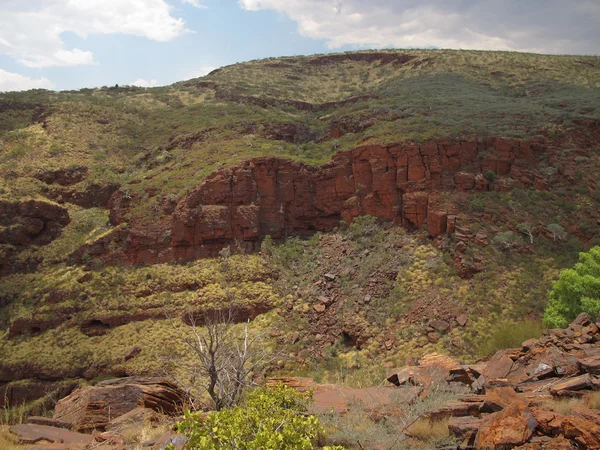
222,356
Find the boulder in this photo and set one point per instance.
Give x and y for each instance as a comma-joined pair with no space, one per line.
464,428
510,427
93,407
137,416
319,308
585,433
441,326
590,365
571,384
431,368
462,320
499,398
499,366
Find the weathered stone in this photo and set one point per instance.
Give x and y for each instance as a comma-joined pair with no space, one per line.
49,422
499,398
133,353
326,300
585,433
137,416
571,384
32,433
590,365
178,442
402,376
433,337
93,407
441,326
462,320
512,426
319,308
248,200
499,366
463,427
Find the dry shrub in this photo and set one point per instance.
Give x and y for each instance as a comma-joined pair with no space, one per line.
429,430
6,439
593,400
138,433
563,405
361,428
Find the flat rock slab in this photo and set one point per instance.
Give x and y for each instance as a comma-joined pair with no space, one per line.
32,433
49,422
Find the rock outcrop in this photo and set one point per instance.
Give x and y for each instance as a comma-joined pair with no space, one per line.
31,222
270,196
24,223
92,408
512,405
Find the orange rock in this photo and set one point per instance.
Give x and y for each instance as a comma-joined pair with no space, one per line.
499,366
585,433
511,427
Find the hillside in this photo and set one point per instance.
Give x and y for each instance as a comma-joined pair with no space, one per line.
385,204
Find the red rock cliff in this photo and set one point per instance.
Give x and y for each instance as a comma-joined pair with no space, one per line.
279,197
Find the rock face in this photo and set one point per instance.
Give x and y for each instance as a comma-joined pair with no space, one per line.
22,392
63,177
94,407
270,196
28,222
31,222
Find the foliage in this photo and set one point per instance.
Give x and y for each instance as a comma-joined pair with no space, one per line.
558,232
270,419
527,229
490,176
507,240
577,290
509,334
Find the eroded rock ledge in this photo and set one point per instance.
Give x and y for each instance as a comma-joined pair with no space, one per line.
24,223
279,197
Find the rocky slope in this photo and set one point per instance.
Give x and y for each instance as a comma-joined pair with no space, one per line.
490,167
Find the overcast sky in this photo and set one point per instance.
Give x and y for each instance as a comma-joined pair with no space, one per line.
69,44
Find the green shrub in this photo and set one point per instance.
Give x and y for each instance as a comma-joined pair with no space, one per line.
510,335
490,176
577,290
270,419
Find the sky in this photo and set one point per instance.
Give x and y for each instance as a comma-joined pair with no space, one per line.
72,44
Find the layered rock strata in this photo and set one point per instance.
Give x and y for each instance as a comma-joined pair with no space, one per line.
278,197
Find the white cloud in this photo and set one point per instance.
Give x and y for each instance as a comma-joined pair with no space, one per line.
30,31
200,72
144,83
195,3
554,26
15,82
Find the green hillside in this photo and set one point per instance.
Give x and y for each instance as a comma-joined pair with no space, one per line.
383,287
